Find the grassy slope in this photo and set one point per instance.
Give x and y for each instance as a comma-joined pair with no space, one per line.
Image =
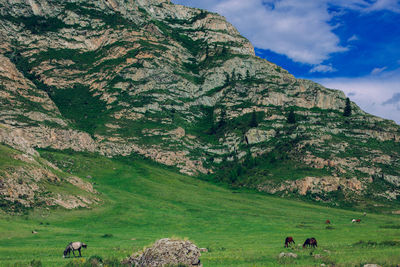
143,203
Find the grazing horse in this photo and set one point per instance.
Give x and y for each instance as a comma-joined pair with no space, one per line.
328,222
288,241
310,242
72,247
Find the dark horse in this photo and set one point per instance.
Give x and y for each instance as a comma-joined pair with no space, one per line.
288,241
72,247
310,242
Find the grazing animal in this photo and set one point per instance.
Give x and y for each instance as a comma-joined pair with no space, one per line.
72,247
310,242
328,222
356,221
288,241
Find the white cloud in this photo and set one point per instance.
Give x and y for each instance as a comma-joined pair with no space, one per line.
301,30
376,71
297,29
353,38
391,5
323,68
376,94
394,100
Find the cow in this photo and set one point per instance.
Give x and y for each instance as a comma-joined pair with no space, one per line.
328,222
288,241
356,221
72,247
310,242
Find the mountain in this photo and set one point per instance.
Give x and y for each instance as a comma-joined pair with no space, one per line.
182,87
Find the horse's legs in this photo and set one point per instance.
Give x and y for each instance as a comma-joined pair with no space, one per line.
79,252
73,252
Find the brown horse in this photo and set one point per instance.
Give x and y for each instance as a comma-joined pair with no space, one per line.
310,242
289,240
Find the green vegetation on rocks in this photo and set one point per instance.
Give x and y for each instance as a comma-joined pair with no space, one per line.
78,104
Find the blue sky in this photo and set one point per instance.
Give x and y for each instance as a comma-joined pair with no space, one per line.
351,45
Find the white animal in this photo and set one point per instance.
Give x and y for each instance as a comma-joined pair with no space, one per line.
74,246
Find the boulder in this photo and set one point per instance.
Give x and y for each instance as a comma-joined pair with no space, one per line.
255,136
167,252
287,255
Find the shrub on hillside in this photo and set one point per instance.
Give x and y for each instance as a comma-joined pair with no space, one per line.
291,117
347,109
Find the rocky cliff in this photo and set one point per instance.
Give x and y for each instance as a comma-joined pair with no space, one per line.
182,87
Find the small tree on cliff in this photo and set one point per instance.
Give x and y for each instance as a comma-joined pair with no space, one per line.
227,79
347,108
248,75
291,117
210,127
253,121
222,119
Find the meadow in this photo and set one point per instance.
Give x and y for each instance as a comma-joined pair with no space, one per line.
143,202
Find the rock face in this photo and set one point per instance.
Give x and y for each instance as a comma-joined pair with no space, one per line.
180,86
25,181
167,252
319,184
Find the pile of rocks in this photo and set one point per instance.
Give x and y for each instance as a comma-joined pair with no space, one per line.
167,252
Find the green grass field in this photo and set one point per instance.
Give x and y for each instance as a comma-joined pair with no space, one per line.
143,202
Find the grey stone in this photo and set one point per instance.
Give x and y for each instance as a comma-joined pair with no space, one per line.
287,255
167,252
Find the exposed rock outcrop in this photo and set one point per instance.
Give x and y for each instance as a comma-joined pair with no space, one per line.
25,181
318,185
